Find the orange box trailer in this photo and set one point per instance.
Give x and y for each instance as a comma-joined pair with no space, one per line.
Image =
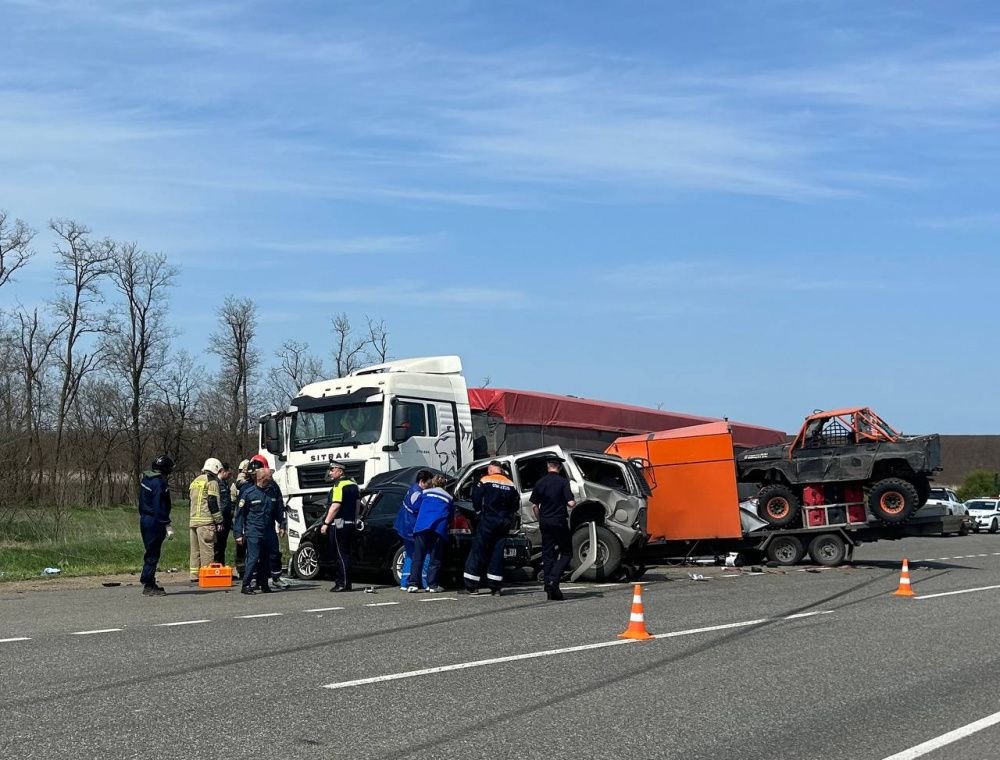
693,474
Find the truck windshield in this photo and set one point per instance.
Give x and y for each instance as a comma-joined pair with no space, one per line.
341,425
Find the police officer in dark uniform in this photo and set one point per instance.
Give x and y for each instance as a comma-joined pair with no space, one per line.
274,535
226,508
549,500
498,505
154,520
256,513
338,524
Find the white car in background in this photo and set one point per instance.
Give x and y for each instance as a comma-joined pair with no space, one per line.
942,501
985,514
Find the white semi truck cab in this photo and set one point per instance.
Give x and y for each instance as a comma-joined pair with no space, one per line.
403,413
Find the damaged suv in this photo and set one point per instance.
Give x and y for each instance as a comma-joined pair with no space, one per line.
609,491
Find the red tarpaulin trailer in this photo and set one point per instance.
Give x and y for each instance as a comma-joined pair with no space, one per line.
506,421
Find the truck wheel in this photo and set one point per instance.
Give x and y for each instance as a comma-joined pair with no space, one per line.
828,550
305,562
609,552
923,486
785,550
777,505
892,500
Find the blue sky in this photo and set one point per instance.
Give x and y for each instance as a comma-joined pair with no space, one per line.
750,209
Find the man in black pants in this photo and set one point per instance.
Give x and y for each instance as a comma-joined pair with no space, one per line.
338,524
154,520
549,500
226,503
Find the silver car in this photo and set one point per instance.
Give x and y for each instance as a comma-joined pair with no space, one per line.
608,491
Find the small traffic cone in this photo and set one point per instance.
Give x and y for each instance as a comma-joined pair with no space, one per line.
904,582
636,623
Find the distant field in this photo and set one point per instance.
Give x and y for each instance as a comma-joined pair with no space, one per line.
94,542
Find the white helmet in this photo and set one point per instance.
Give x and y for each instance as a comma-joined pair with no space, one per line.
212,465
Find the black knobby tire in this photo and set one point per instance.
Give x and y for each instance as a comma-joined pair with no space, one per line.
305,562
778,505
828,550
923,486
893,500
609,552
785,550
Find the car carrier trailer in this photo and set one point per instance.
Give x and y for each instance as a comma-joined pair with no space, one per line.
695,508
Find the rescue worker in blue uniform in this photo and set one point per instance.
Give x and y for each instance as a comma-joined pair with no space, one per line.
550,499
154,520
338,524
498,505
403,526
257,511
276,532
430,531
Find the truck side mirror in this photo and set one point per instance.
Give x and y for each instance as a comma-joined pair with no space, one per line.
271,434
400,423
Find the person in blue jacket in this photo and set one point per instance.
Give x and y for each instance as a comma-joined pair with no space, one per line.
430,531
256,514
154,520
405,519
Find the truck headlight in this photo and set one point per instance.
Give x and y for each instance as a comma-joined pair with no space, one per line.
293,514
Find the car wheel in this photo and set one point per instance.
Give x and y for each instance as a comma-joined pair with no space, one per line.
609,552
396,565
993,526
785,550
828,550
305,562
777,505
892,500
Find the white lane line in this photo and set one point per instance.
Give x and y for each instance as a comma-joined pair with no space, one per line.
260,615
952,593
439,599
17,638
325,609
982,555
100,630
381,604
944,739
182,622
552,652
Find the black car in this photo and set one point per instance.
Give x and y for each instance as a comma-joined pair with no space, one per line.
378,549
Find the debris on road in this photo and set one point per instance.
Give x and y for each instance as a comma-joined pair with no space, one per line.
51,571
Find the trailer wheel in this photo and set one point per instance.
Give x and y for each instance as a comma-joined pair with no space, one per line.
609,552
828,550
305,562
777,505
892,500
785,550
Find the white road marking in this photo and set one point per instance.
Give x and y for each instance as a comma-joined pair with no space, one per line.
18,638
325,609
100,630
962,591
182,622
439,599
261,615
945,739
381,604
552,652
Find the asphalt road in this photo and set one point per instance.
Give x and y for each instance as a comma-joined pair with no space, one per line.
780,665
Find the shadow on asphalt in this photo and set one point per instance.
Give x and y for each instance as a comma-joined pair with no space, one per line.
895,565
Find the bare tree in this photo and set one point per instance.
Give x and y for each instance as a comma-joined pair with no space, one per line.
232,342
348,350
297,366
378,340
139,341
81,265
175,410
15,246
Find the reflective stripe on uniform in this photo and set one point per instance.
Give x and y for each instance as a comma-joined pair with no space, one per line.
471,577
492,577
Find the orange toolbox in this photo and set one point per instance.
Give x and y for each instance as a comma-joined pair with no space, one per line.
215,576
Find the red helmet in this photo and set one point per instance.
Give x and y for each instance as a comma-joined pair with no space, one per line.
260,458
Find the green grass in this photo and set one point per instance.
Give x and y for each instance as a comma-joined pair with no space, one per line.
102,541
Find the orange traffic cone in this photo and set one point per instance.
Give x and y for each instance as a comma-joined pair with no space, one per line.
904,582
636,623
